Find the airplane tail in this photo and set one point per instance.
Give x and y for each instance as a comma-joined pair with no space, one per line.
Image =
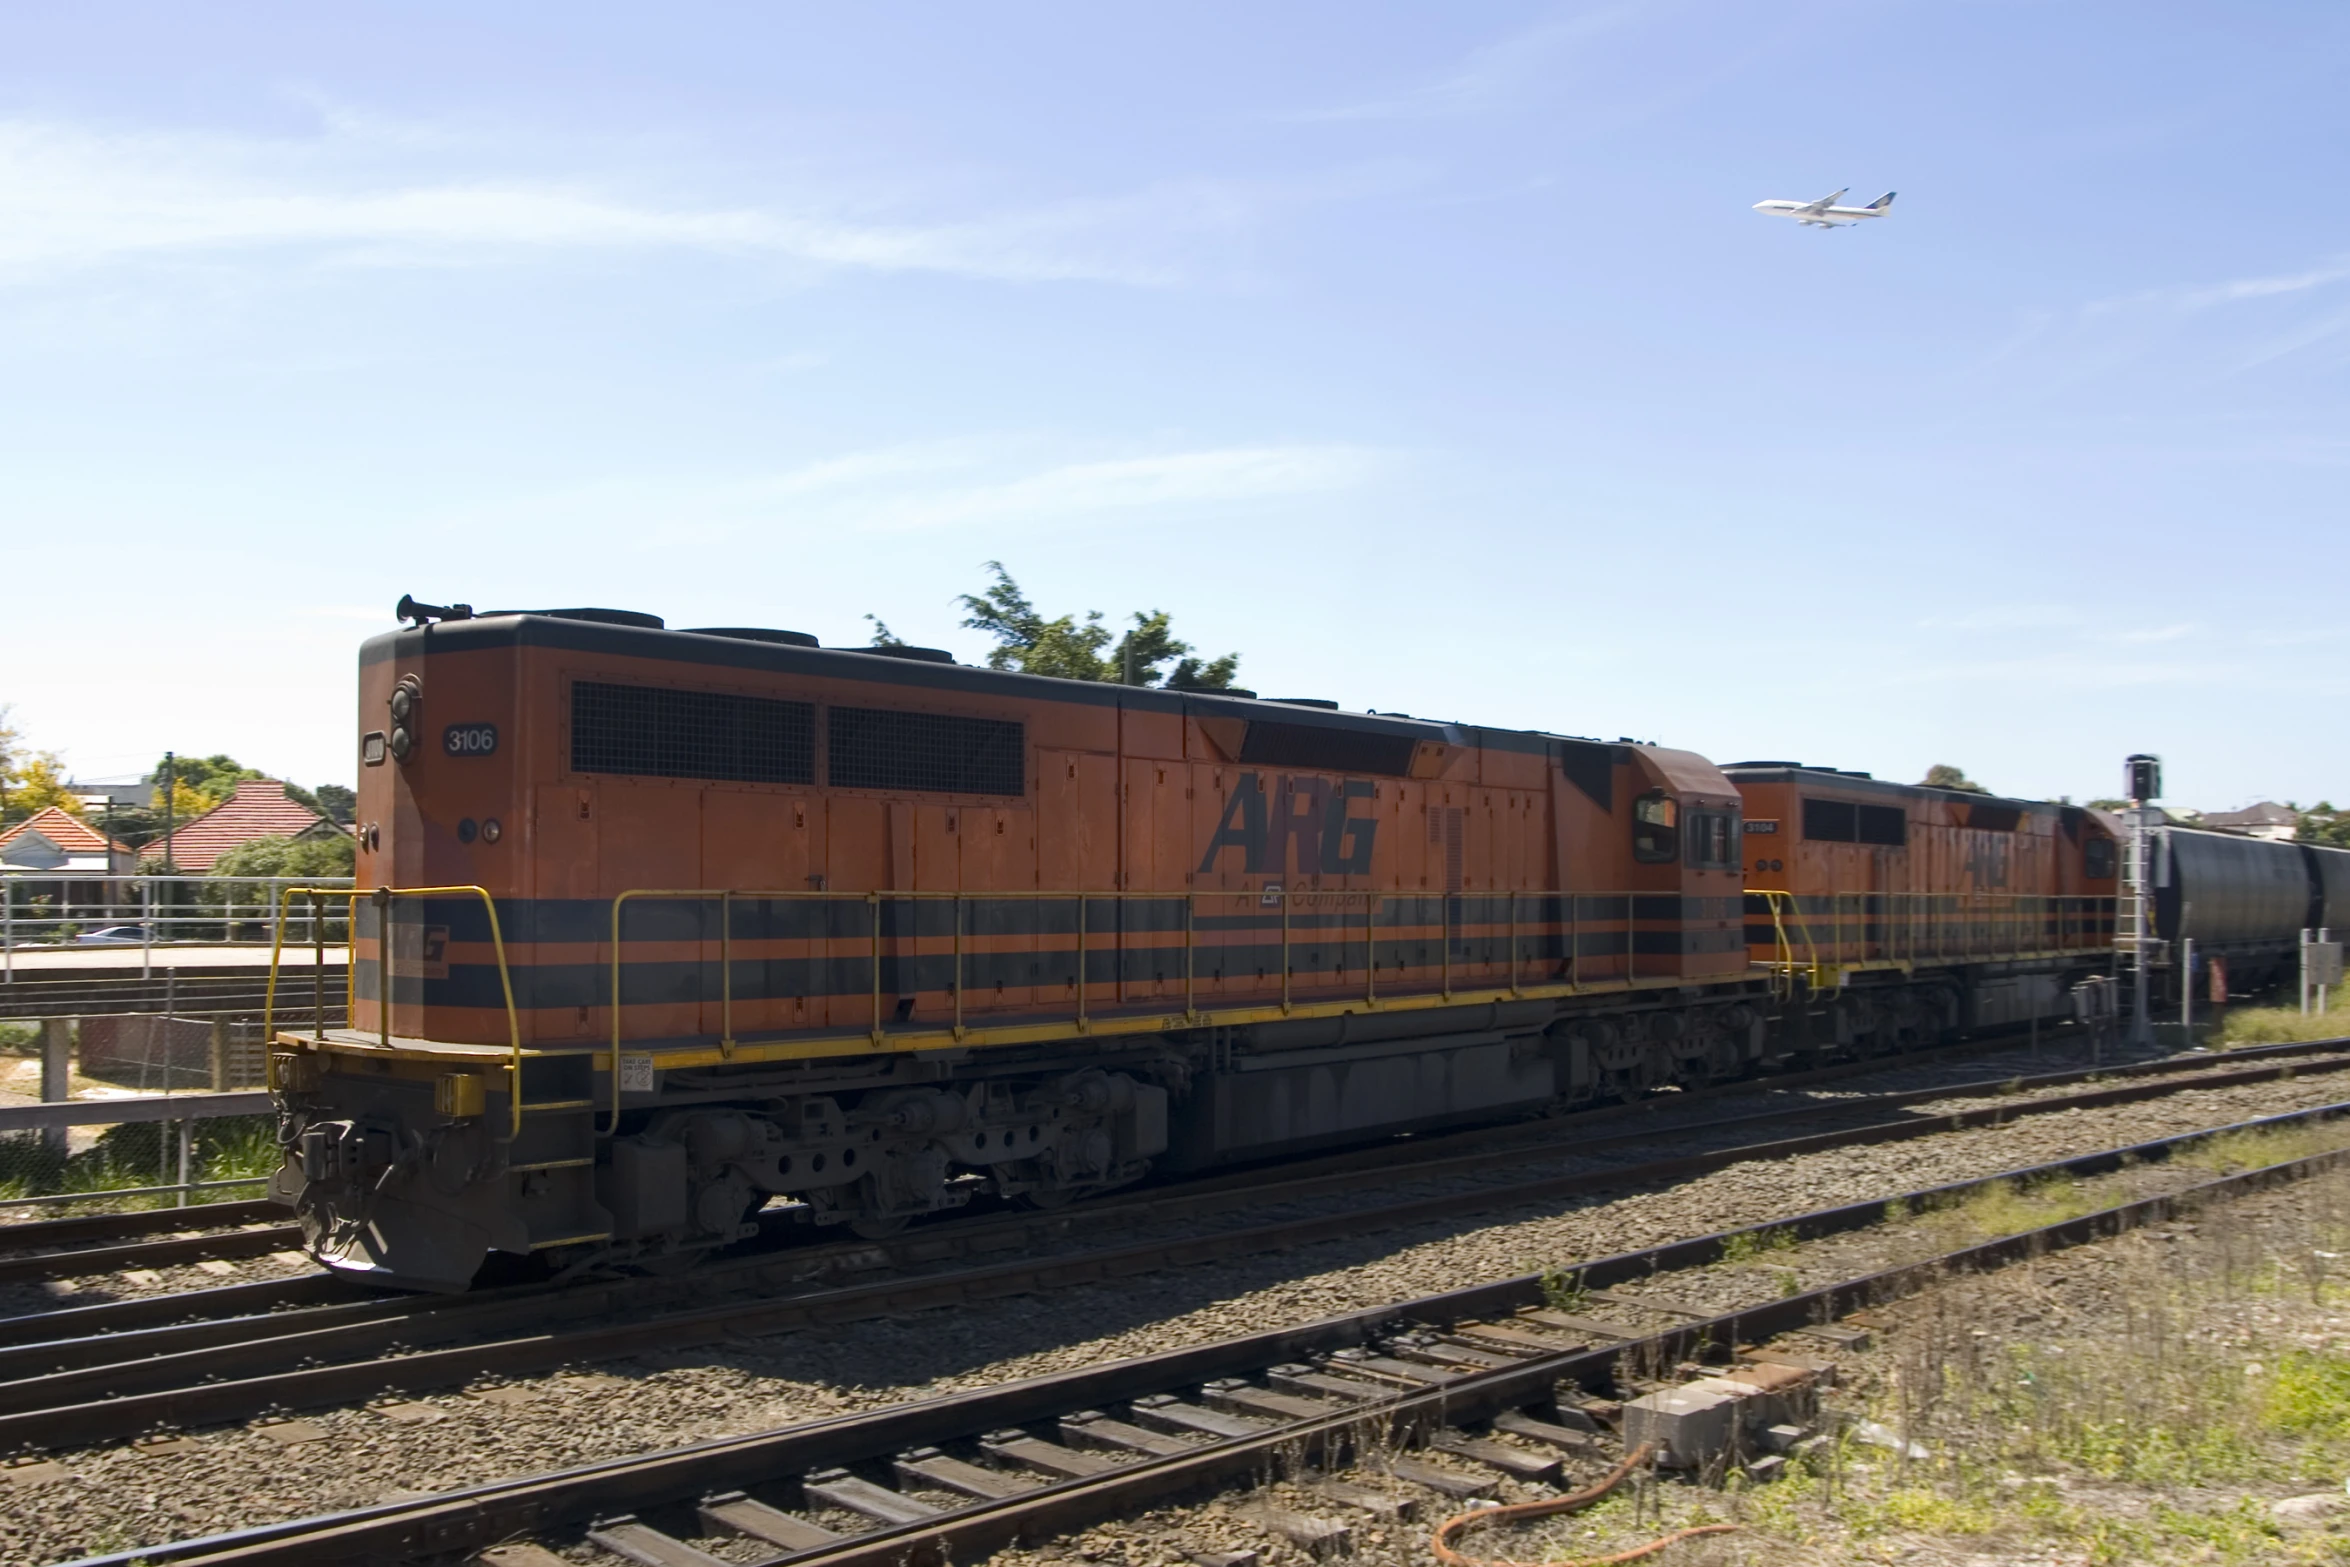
1882,202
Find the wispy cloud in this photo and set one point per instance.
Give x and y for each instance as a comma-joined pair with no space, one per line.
1492,76
2204,296
1006,484
74,198
1213,477
2183,335
2005,617
2138,636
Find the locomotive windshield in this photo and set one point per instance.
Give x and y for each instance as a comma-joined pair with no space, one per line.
1713,840
1654,819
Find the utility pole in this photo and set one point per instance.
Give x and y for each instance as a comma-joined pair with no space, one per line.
170,787
2145,786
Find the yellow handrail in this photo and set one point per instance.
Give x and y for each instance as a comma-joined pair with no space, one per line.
874,900
1789,925
382,897
277,941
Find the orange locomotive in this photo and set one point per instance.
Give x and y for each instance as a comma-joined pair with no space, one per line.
657,925
1912,912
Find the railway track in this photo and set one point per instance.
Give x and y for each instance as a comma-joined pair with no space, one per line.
46,1249
1492,1376
92,1245
98,1387
85,1245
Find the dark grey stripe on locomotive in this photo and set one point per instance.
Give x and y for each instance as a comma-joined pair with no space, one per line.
1322,948
1481,960
523,920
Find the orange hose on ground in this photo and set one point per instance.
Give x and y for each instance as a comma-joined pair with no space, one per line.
1485,1517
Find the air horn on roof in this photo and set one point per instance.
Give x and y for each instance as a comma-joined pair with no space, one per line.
422,614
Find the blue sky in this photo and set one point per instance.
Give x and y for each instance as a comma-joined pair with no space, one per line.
1431,357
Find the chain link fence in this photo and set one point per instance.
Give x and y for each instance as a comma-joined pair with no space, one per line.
116,1111
131,1046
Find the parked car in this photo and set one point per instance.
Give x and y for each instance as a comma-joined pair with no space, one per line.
110,936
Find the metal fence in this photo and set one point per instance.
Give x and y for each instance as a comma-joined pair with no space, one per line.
146,1151
50,911
131,1039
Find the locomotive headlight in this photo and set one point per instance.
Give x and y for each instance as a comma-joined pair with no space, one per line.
405,699
491,832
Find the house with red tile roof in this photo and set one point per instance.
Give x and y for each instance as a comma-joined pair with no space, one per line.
259,809
53,839
55,861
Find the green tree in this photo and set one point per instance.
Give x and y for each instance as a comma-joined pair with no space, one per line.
2321,823
200,782
319,856
39,783
332,801
1074,649
233,878
30,781
1944,776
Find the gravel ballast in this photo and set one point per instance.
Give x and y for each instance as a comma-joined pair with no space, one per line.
120,1497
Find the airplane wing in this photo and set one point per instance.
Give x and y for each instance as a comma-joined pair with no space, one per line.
1825,202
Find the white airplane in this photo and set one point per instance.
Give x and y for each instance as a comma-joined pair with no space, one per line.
1824,213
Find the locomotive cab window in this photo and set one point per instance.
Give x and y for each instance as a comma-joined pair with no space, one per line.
2097,858
1655,822
1713,840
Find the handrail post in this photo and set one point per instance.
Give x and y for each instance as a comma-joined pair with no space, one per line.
383,965
1370,948
617,901
958,967
513,1018
317,969
1284,896
1513,941
277,941
873,902
1190,956
1081,987
1444,938
1574,946
726,972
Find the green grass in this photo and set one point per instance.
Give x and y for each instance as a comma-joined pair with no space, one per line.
2286,1025
1564,1291
128,1157
1750,1245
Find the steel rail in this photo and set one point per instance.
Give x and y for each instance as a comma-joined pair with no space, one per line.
107,1228
455,1522
93,1335
104,1228
128,1396
1393,1158
165,1253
